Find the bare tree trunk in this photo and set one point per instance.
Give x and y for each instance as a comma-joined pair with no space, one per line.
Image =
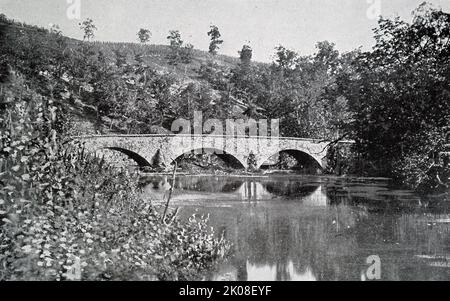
170,191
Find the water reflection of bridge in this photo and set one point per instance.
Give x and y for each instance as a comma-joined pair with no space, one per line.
219,188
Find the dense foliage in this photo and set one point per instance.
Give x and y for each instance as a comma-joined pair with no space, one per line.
399,94
65,214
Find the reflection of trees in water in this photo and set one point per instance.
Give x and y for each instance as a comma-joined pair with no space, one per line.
206,184
153,182
376,197
306,241
231,186
209,184
334,244
422,237
337,195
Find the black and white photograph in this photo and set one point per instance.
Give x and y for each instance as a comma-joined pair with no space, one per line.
224,141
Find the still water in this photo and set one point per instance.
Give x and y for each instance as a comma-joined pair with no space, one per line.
317,228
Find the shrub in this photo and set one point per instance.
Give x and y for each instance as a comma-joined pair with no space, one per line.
414,168
251,162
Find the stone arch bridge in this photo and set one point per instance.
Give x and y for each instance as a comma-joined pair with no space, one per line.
143,149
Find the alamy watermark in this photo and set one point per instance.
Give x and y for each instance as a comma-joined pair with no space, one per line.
373,272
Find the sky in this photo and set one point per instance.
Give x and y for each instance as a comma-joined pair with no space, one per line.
263,24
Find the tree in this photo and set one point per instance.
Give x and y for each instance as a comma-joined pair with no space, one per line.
175,56
89,29
285,58
174,38
144,35
186,53
158,163
178,52
215,35
327,56
303,94
251,162
54,29
399,92
246,54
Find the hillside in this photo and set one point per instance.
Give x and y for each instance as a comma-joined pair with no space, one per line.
136,88
154,58
155,55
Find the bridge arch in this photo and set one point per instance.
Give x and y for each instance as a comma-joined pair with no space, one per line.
141,161
300,155
225,156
